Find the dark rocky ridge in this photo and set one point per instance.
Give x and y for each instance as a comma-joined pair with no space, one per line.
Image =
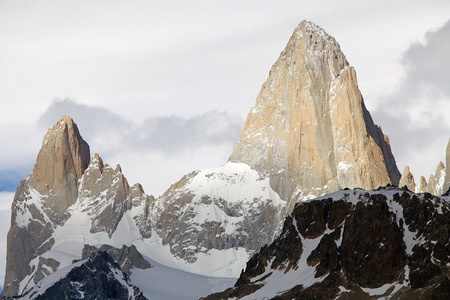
127,257
99,278
391,238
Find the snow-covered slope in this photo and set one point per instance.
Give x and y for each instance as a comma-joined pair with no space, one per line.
156,282
231,209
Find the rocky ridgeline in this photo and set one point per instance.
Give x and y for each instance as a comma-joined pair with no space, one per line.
355,244
437,184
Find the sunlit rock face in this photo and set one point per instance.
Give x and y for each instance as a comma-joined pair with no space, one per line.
309,129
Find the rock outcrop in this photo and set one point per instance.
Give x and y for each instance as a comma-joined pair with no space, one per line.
127,257
355,244
423,185
436,181
434,186
310,130
98,277
407,180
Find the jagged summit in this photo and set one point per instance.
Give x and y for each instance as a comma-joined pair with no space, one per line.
407,179
320,44
63,157
309,129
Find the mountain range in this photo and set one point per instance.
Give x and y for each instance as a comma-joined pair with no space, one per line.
308,204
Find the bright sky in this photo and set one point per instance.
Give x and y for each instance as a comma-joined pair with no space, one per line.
163,87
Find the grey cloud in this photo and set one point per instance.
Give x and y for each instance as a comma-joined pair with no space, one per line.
108,133
100,127
171,133
430,63
91,120
414,115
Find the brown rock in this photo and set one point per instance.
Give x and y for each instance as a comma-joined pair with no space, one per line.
407,180
423,186
63,157
436,181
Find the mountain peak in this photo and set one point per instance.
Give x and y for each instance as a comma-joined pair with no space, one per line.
60,163
308,27
309,129
63,157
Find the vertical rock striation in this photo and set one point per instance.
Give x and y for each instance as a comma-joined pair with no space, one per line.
310,130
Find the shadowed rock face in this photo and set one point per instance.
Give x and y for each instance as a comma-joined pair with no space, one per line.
310,129
100,277
353,243
127,257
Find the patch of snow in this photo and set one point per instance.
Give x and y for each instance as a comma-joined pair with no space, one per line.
158,283
343,166
24,215
234,182
217,263
278,281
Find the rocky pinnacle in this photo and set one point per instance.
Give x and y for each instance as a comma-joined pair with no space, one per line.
309,129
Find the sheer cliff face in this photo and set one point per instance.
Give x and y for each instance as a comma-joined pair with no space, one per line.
309,129
63,157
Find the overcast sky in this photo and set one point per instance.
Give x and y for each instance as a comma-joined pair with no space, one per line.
163,87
